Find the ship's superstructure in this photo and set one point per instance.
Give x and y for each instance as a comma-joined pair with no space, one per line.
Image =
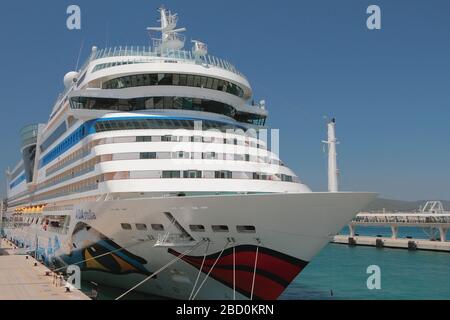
155,149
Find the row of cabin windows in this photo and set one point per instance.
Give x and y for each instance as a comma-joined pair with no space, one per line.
170,103
174,79
195,174
171,138
69,142
17,172
102,66
59,131
144,124
167,138
204,156
193,228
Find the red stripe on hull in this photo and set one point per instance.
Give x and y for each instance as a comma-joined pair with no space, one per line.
274,270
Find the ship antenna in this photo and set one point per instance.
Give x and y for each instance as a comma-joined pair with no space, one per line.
170,36
79,54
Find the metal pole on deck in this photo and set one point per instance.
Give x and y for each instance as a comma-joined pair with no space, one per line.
333,171
1,218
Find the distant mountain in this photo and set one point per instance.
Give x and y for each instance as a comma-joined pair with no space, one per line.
398,205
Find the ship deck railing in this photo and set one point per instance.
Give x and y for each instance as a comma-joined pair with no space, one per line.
184,55
403,218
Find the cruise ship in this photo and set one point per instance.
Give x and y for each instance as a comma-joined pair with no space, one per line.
154,174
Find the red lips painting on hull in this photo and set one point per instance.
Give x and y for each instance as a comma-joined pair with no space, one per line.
274,270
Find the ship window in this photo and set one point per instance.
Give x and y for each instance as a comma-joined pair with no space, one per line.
144,139
246,229
59,131
209,155
221,85
184,103
223,175
181,155
209,83
158,227
165,79
126,226
176,79
167,138
190,80
220,228
109,125
148,155
192,174
197,228
197,81
171,175
203,82
141,226
215,84
183,79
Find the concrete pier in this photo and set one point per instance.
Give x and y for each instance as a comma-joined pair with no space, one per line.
397,243
20,279
432,216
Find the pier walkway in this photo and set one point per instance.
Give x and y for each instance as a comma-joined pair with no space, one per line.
398,243
431,217
20,279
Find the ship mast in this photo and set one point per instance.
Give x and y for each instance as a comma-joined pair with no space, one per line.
333,171
170,36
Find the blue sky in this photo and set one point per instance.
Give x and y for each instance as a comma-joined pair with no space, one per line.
389,89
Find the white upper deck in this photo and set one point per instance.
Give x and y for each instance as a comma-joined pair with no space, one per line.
166,55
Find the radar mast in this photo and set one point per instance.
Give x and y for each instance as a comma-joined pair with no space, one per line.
170,36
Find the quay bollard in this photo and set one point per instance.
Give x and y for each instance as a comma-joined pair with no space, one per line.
379,243
412,245
351,241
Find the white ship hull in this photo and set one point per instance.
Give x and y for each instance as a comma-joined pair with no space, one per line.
290,229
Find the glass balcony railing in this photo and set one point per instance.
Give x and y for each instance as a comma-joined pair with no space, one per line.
184,55
29,134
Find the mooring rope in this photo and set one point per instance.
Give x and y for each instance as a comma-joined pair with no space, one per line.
234,273
210,270
200,270
254,272
161,269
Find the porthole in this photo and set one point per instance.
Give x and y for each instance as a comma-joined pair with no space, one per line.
197,228
126,226
141,226
220,228
158,227
246,229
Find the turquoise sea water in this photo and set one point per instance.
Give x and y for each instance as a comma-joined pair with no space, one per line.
341,269
404,274
339,272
